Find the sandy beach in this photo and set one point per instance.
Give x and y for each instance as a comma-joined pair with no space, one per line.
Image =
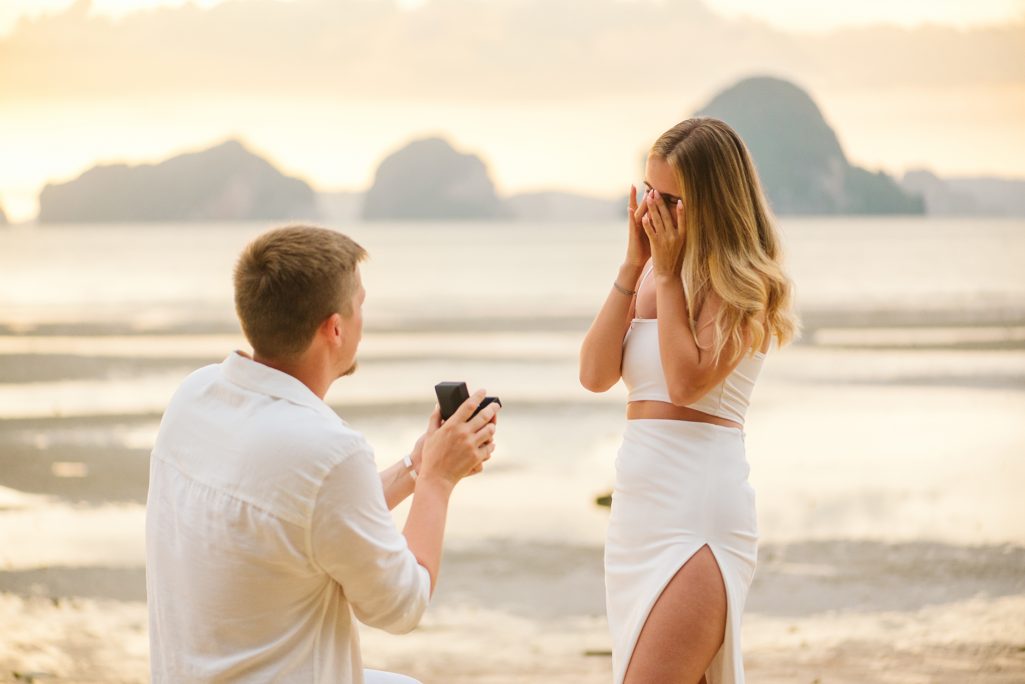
827,612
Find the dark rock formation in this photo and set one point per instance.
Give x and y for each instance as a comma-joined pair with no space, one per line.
801,164
428,180
223,183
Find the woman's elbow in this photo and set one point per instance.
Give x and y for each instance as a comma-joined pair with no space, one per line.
682,394
596,382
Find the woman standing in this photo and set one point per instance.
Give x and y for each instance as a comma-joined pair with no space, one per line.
687,323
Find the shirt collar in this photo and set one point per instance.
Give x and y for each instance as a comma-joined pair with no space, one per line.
253,375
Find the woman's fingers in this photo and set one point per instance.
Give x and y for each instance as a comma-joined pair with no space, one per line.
632,209
664,230
680,226
639,213
663,219
655,221
649,230
640,206
655,217
660,208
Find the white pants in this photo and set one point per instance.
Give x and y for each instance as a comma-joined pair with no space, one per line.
378,677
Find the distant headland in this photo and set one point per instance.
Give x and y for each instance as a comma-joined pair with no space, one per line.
224,183
800,162
803,168
428,179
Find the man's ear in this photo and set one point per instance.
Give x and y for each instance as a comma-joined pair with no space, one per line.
332,328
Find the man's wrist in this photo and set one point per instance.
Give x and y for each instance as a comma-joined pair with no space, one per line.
437,484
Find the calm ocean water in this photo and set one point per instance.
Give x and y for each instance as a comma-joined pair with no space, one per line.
154,276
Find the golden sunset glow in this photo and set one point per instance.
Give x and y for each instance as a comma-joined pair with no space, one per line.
932,85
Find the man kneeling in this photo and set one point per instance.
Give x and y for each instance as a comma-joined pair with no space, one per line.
267,523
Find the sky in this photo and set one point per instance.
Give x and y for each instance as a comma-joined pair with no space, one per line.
564,95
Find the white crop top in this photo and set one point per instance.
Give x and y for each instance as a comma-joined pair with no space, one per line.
645,379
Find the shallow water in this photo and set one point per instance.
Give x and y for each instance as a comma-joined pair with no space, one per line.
152,276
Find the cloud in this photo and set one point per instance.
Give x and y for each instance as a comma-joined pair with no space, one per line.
468,50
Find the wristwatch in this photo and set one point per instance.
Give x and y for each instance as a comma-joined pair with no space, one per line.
407,461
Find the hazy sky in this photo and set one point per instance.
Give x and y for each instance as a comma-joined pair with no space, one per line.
563,94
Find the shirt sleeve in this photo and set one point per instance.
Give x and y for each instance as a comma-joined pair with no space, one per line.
354,539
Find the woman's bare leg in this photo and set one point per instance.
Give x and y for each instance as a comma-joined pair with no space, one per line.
685,628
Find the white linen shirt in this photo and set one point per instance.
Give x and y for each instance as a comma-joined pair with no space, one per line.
266,529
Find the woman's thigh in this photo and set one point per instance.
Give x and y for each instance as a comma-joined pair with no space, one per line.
685,627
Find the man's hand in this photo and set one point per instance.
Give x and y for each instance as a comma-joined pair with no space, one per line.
459,446
451,450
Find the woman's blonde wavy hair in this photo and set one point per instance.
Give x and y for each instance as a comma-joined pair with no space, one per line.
732,247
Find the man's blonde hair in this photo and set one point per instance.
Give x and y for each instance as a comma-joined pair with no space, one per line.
288,281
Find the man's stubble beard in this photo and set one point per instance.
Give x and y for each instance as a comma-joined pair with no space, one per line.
351,369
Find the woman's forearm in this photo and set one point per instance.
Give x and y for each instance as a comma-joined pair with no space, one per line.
678,350
601,354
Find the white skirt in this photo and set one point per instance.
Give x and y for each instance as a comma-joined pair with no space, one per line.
680,485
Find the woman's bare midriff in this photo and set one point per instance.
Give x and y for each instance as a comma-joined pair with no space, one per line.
661,410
